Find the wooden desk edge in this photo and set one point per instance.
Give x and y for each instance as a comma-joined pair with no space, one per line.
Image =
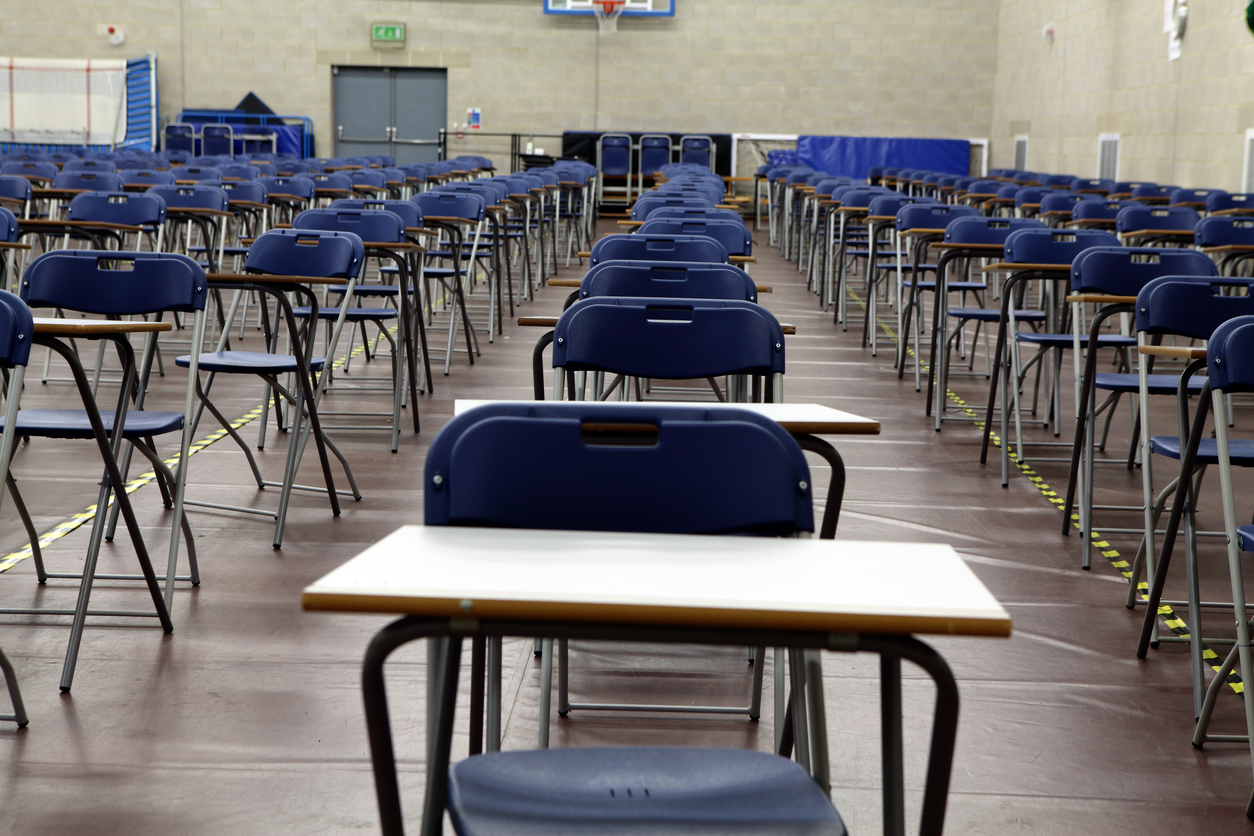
1183,351
1102,298
76,327
259,278
313,600
1020,268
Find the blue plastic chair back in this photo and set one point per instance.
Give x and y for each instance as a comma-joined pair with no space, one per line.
492,193
1224,230
192,197
1191,306
1008,191
930,215
615,156
733,235
668,339
113,283
404,209
1026,177
1100,210
1123,271
1192,195
696,151
1058,181
137,164
1135,218
98,181
249,190
89,165
1151,191
1053,246
645,206
1030,195
306,252
240,172
1230,356
464,205
369,225
17,188
647,247
655,152
288,168
687,214
975,229
369,177
138,177
1095,185
300,188
28,155
30,169
17,330
1059,202
983,187
175,156
134,209
698,471
181,138
714,194
669,280
1223,202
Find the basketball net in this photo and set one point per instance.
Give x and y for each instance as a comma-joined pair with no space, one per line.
607,13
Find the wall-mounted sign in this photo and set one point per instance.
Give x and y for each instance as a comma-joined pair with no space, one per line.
387,35
474,118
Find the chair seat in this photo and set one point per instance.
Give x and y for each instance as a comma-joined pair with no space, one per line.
440,272
1159,384
993,314
1066,340
353,315
1245,536
73,423
644,790
367,289
906,267
247,362
1240,450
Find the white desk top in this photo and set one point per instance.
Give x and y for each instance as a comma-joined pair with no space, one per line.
610,577
813,419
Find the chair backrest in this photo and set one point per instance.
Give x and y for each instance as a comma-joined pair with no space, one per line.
1026,177
89,165
645,206
404,209
8,226
196,172
369,177
930,215
1058,181
134,177
180,137
668,279
1224,230
286,168
988,188
1223,201
614,154
136,164
1123,271
1151,191
368,225
1029,195
688,214
30,169
976,229
639,467
1191,306
306,252
16,331
241,189
714,194
1095,185
1230,355
18,188
217,139
135,209
1053,246
192,197
1060,202
464,205
300,188
241,171
1099,210
98,181
1136,218
655,152
648,247
696,150
733,235
1189,196
668,339
113,283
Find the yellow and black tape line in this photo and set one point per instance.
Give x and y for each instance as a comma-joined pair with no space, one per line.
1170,618
75,522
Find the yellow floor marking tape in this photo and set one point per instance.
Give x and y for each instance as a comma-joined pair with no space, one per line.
1170,619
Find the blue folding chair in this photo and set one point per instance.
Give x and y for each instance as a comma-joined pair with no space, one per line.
1223,203
136,164
96,181
217,140
643,208
16,194
697,150
454,213
35,171
180,138
1230,238
140,179
655,152
733,235
16,334
284,252
639,247
614,160
186,174
89,165
202,208
1150,226
146,211
114,284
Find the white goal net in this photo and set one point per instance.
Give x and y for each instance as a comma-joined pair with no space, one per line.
62,101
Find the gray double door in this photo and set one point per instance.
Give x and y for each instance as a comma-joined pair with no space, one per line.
392,111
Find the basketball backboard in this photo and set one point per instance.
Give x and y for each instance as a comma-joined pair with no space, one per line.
634,8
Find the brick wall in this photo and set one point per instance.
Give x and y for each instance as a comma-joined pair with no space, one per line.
871,67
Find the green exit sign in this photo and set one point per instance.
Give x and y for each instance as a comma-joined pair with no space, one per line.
387,34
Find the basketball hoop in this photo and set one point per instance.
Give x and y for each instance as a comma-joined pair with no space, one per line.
607,13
